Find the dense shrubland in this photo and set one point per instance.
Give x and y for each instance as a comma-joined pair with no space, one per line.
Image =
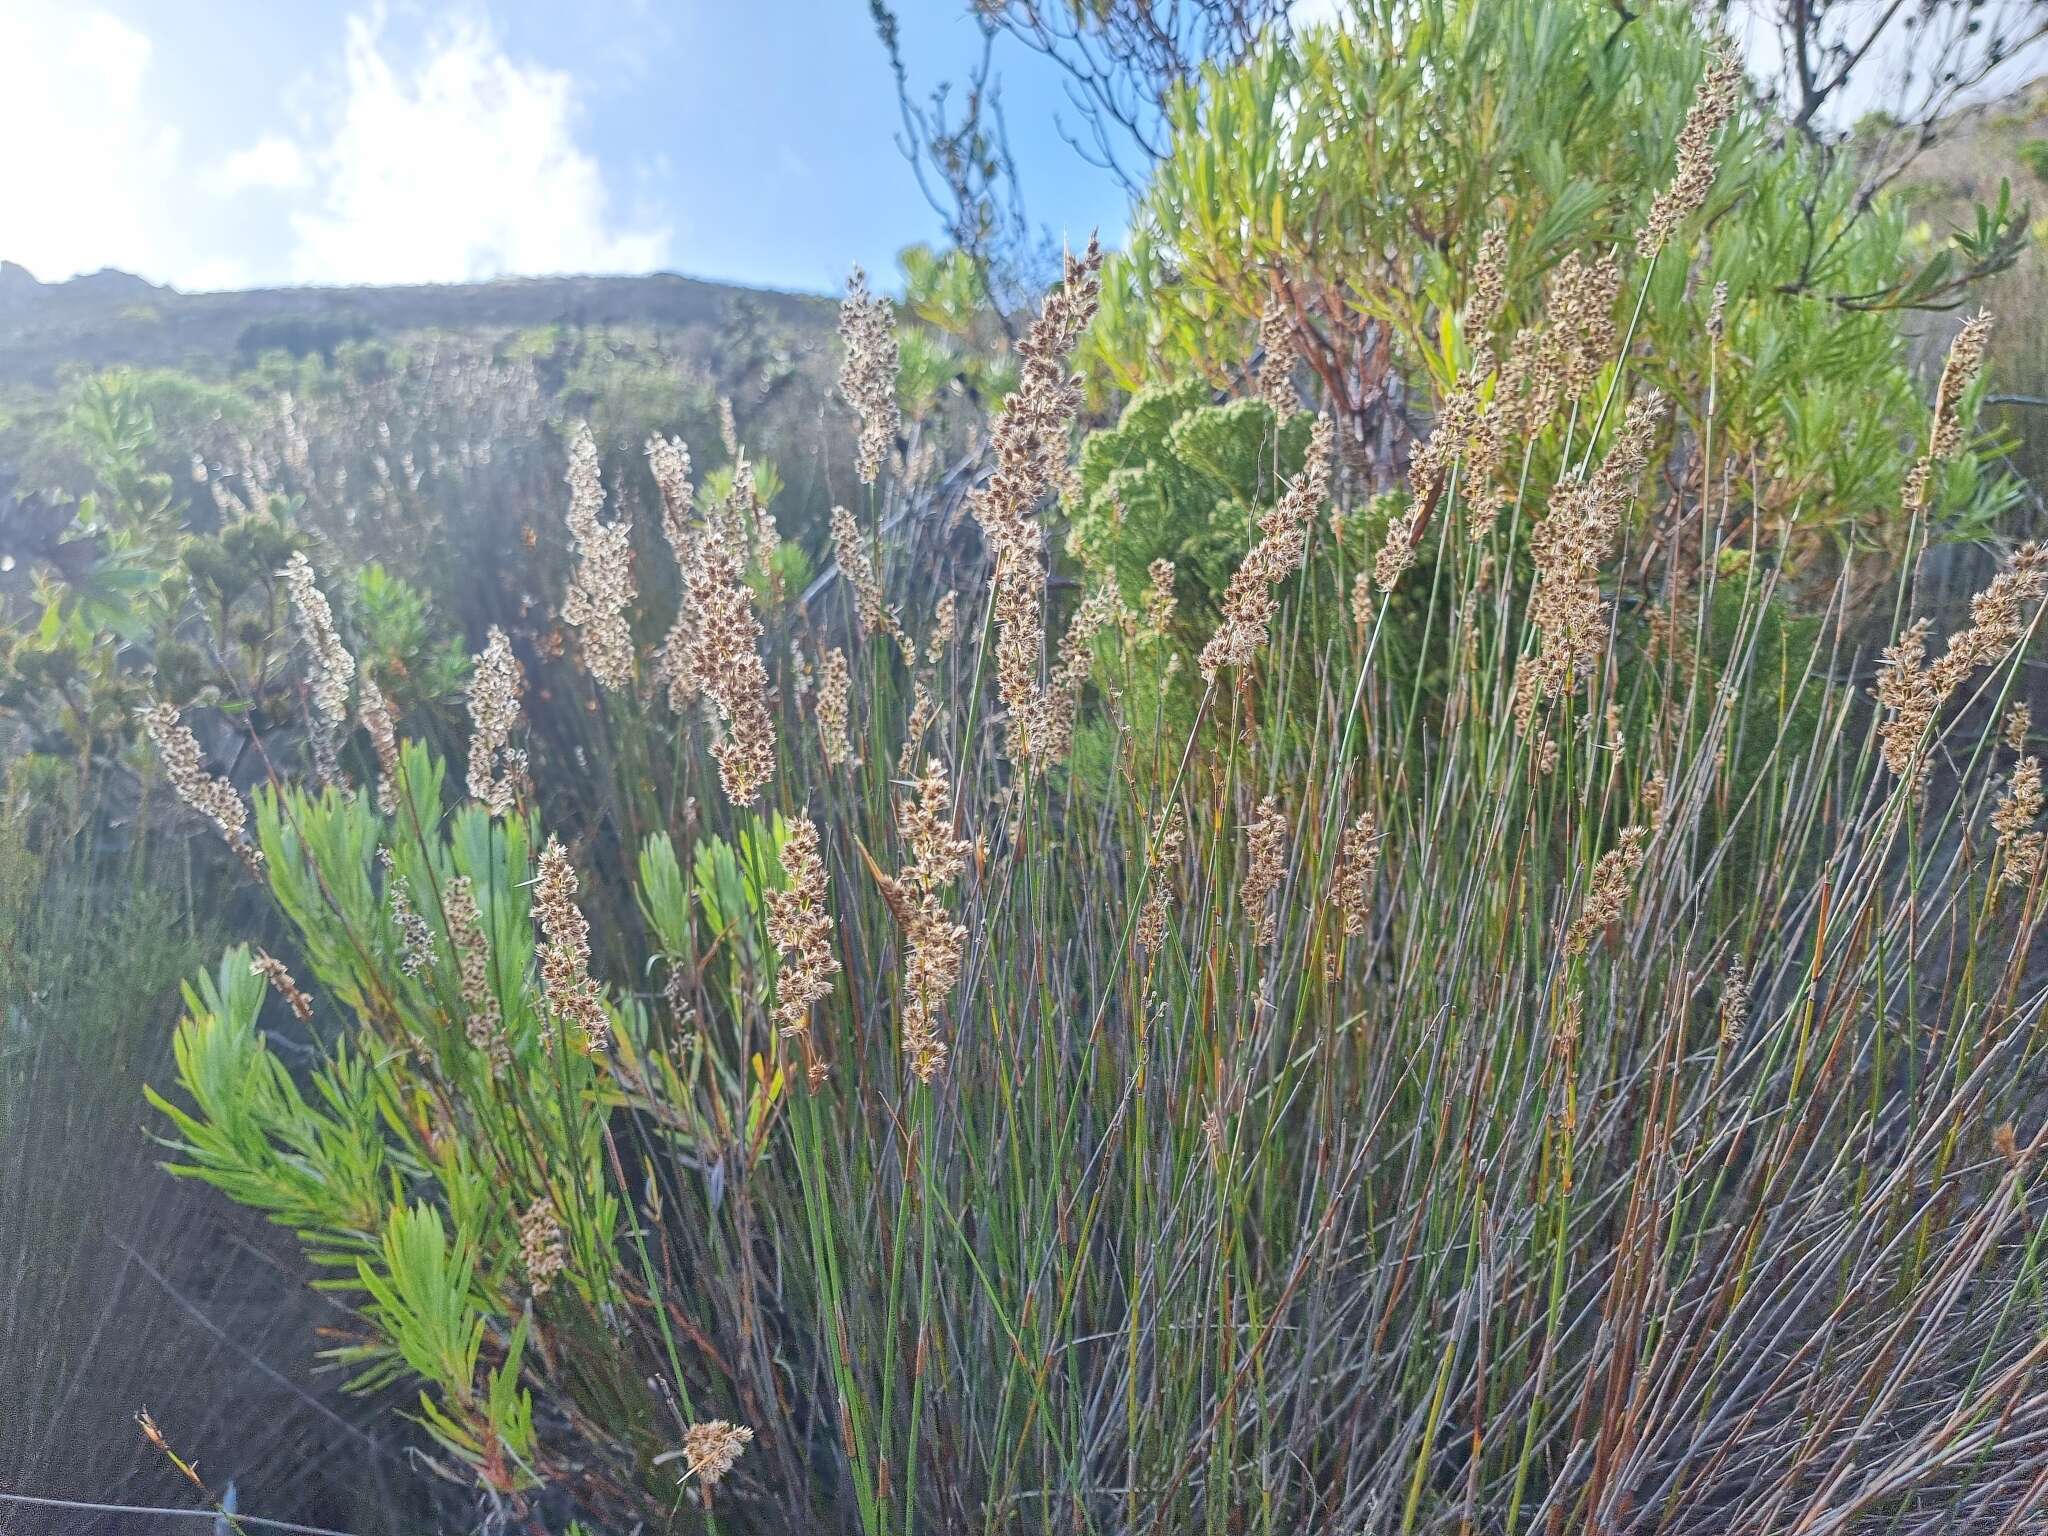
1259,984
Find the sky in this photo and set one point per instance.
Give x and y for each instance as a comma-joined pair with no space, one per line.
245,143
235,143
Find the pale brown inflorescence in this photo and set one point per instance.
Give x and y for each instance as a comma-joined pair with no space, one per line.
1607,893
2019,722
944,617
1159,599
541,1246
483,1023
375,715
415,934
333,668
496,769
1169,839
730,670
835,688
1912,690
1569,545
859,570
1265,866
676,664
1054,731
573,995
1029,440
711,1448
933,940
1734,1003
602,589
272,970
1945,436
1276,362
1248,602
2018,838
1694,179
868,375
1356,860
214,798
802,932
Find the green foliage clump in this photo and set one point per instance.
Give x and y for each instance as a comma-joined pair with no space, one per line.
1555,123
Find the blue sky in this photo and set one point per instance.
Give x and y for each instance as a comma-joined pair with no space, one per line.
244,142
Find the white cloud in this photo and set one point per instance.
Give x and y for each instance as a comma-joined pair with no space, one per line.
87,168
436,162
272,164
464,166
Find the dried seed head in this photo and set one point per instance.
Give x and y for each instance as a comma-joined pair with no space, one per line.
944,616
676,664
333,668
711,1448
214,798
868,375
2014,822
1052,728
835,687
1276,362
1029,442
933,941
1569,545
573,995
1694,179
272,970
858,567
802,931
375,715
1607,893
484,1022
1359,855
1913,690
1169,837
602,589
2019,721
1159,600
1489,285
1248,602
496,771
1265,866
415,934
729,669
1734,1003
542,1249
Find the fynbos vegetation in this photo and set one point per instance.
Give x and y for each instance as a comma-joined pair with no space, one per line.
1286,962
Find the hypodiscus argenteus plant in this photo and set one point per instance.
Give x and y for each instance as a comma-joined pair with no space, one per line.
1599,1092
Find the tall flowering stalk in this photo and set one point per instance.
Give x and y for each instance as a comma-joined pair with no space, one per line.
496,768
1712,107
669,460
334,670
375,714
867,377
730,671
933,941
1029,439
802,932
602,589
214,798
573,995
1248,602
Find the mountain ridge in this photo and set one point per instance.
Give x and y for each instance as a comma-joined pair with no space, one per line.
112,318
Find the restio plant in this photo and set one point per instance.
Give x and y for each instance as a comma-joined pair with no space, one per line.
1597,1092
